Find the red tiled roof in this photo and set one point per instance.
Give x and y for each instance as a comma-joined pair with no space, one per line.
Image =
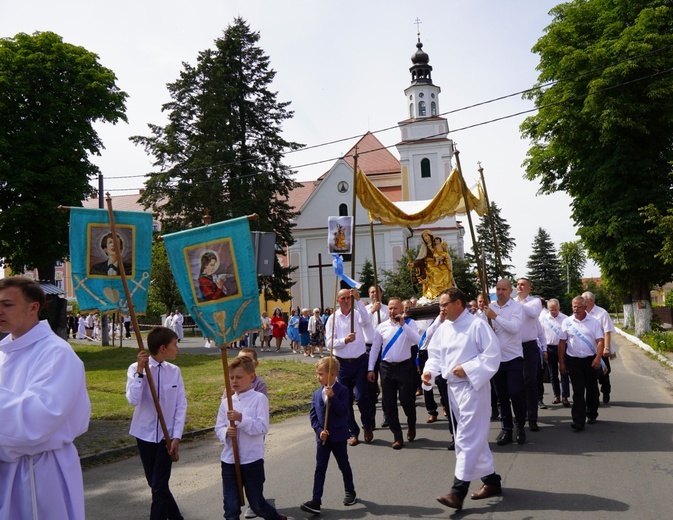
373,157
299,195
119,203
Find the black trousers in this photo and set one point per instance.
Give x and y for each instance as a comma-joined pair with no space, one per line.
397,379
508,382
157,464
531,368
604,379
584,380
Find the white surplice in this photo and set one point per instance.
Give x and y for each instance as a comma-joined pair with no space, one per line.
468,341
44,405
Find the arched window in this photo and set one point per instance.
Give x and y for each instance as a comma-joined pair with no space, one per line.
433,108
411,111
425,168
421,108
343,210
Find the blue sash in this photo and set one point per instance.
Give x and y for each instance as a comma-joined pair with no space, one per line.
393,340
604,368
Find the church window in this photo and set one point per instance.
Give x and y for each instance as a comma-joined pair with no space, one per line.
421,109
425,168
343,210
411,110
433,108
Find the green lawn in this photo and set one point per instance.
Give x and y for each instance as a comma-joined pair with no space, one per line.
290,384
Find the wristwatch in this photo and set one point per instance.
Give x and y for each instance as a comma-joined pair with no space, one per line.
138,375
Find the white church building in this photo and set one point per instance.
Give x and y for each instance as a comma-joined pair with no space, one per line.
425,162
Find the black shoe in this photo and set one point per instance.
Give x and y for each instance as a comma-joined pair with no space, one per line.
504,438
577,426
452,445
606,398
384,424
350,498
542,406
591,420
520,436
565,402
311,507
533,426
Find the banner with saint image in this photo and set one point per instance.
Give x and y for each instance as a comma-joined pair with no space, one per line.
96,264
339,235
215,270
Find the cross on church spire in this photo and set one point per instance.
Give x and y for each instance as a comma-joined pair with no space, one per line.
418,26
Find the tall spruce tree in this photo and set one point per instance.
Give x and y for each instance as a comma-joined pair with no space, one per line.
487,246
366,278
544,270
222,148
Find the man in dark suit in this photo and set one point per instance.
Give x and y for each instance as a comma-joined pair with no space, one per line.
333,436
110,267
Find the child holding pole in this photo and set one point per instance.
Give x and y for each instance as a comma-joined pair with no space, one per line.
331,401
250,413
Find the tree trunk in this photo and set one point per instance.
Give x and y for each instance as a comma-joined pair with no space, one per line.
642,309
628,310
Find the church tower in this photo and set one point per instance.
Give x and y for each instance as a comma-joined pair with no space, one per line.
425,150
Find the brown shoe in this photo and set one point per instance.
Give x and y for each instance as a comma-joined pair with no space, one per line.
411,433
419,392
451,500
353,441
431,419
557,400
369,435
398,444
486,491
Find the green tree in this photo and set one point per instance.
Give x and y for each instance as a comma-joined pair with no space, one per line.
366,278
544,270
51,94
164,295
572,260
487,246
465,275
398,282
222,148
603,132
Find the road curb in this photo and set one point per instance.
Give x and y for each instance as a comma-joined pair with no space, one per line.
644,346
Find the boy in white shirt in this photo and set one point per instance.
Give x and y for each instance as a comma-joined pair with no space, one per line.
157,460
250,412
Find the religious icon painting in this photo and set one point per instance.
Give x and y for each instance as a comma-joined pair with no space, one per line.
214,268
339,235
96,264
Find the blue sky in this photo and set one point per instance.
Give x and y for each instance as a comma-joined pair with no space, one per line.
344,66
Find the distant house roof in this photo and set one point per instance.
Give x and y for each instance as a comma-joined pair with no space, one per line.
119,202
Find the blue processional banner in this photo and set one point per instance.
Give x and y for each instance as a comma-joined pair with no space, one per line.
214,267
96,265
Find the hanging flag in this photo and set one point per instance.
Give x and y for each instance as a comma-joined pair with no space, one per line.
214,267
96,265
338,265
340,235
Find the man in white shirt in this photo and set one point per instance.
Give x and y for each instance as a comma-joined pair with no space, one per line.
378,314
156,458
581,339
551,323
176,324
351,351
393,340
505,315
44,405
608,351
466,352
531,308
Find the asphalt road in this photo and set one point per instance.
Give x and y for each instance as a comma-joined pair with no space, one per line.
621,467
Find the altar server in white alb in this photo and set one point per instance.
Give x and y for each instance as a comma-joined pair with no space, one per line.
467,353
44,405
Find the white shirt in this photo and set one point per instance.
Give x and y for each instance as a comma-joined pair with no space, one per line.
254,425
400,350
383,311
552,327
507,326
423,328
604,319
589,328
171,391
44,405
531,312
469,342
364,332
